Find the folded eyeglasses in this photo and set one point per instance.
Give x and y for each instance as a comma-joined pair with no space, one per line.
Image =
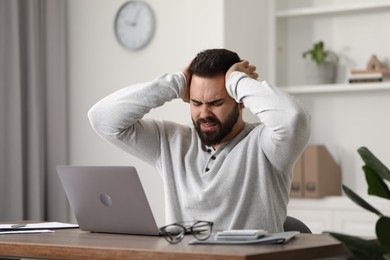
174,233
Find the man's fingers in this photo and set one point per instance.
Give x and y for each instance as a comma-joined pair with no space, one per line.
251,68
187,75
253,75
244,63
251,71
244,66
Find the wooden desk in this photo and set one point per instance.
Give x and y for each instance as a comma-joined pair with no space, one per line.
76,244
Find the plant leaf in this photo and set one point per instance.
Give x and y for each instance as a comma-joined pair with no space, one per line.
370,159
383,232
376,186
361,248
319,46
361,202
317,53
320,57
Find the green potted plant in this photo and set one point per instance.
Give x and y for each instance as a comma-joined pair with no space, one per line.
320,66
376,174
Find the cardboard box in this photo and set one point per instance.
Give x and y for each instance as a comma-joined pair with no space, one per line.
318,174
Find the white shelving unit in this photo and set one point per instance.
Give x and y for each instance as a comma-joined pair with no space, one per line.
344,116
297,24
332,10
338,88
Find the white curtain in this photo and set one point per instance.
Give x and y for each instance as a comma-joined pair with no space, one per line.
33,109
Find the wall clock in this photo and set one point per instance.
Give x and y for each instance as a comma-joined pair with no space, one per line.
134,25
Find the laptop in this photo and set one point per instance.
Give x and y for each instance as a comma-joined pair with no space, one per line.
108,199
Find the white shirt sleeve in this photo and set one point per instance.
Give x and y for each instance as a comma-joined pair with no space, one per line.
117,117
286,120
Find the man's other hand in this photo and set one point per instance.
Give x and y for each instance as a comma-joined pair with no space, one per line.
186,97
243,66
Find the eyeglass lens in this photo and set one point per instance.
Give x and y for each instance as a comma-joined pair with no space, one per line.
201,230
174,233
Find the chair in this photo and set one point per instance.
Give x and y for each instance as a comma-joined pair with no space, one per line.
294,224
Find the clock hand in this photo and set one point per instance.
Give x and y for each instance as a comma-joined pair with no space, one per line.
134,22
130,23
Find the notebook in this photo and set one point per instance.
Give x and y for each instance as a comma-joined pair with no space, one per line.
274,238
108,199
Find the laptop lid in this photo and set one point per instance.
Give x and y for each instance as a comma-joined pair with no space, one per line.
108,199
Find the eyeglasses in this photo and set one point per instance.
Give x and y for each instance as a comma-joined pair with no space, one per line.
174,233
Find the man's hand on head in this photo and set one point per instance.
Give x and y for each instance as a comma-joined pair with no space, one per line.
186,97
243,66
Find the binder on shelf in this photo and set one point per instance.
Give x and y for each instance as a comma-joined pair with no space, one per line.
322,174
316,173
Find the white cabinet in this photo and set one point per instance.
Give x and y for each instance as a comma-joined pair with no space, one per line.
355,221
338,214
317,220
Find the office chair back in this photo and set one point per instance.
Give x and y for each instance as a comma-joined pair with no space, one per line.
294,224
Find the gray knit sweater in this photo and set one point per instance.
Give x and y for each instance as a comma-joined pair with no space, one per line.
244,184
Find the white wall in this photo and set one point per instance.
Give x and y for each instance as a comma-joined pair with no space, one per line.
99,65
246,31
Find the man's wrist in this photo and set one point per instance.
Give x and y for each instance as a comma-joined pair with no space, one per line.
232,82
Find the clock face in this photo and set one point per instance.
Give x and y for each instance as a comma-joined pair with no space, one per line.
134,25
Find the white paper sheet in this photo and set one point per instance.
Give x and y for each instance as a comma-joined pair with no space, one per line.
35,226
26,231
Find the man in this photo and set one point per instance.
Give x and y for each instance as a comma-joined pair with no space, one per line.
221,169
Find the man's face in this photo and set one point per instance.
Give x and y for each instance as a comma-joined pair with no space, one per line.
214,113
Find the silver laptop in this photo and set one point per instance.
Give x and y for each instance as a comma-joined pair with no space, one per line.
108,199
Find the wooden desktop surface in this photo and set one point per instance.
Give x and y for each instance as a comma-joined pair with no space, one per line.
76,244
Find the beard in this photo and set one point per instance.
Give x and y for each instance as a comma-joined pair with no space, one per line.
210,138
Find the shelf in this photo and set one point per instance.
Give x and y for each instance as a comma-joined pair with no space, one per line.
337,27
311,11
337,88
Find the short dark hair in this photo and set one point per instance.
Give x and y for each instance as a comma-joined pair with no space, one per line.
213,62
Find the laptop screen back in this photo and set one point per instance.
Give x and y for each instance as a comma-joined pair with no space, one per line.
108,199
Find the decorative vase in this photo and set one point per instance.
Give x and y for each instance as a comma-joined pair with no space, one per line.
324,73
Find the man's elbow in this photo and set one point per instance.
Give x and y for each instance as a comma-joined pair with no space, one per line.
301,122
94,119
